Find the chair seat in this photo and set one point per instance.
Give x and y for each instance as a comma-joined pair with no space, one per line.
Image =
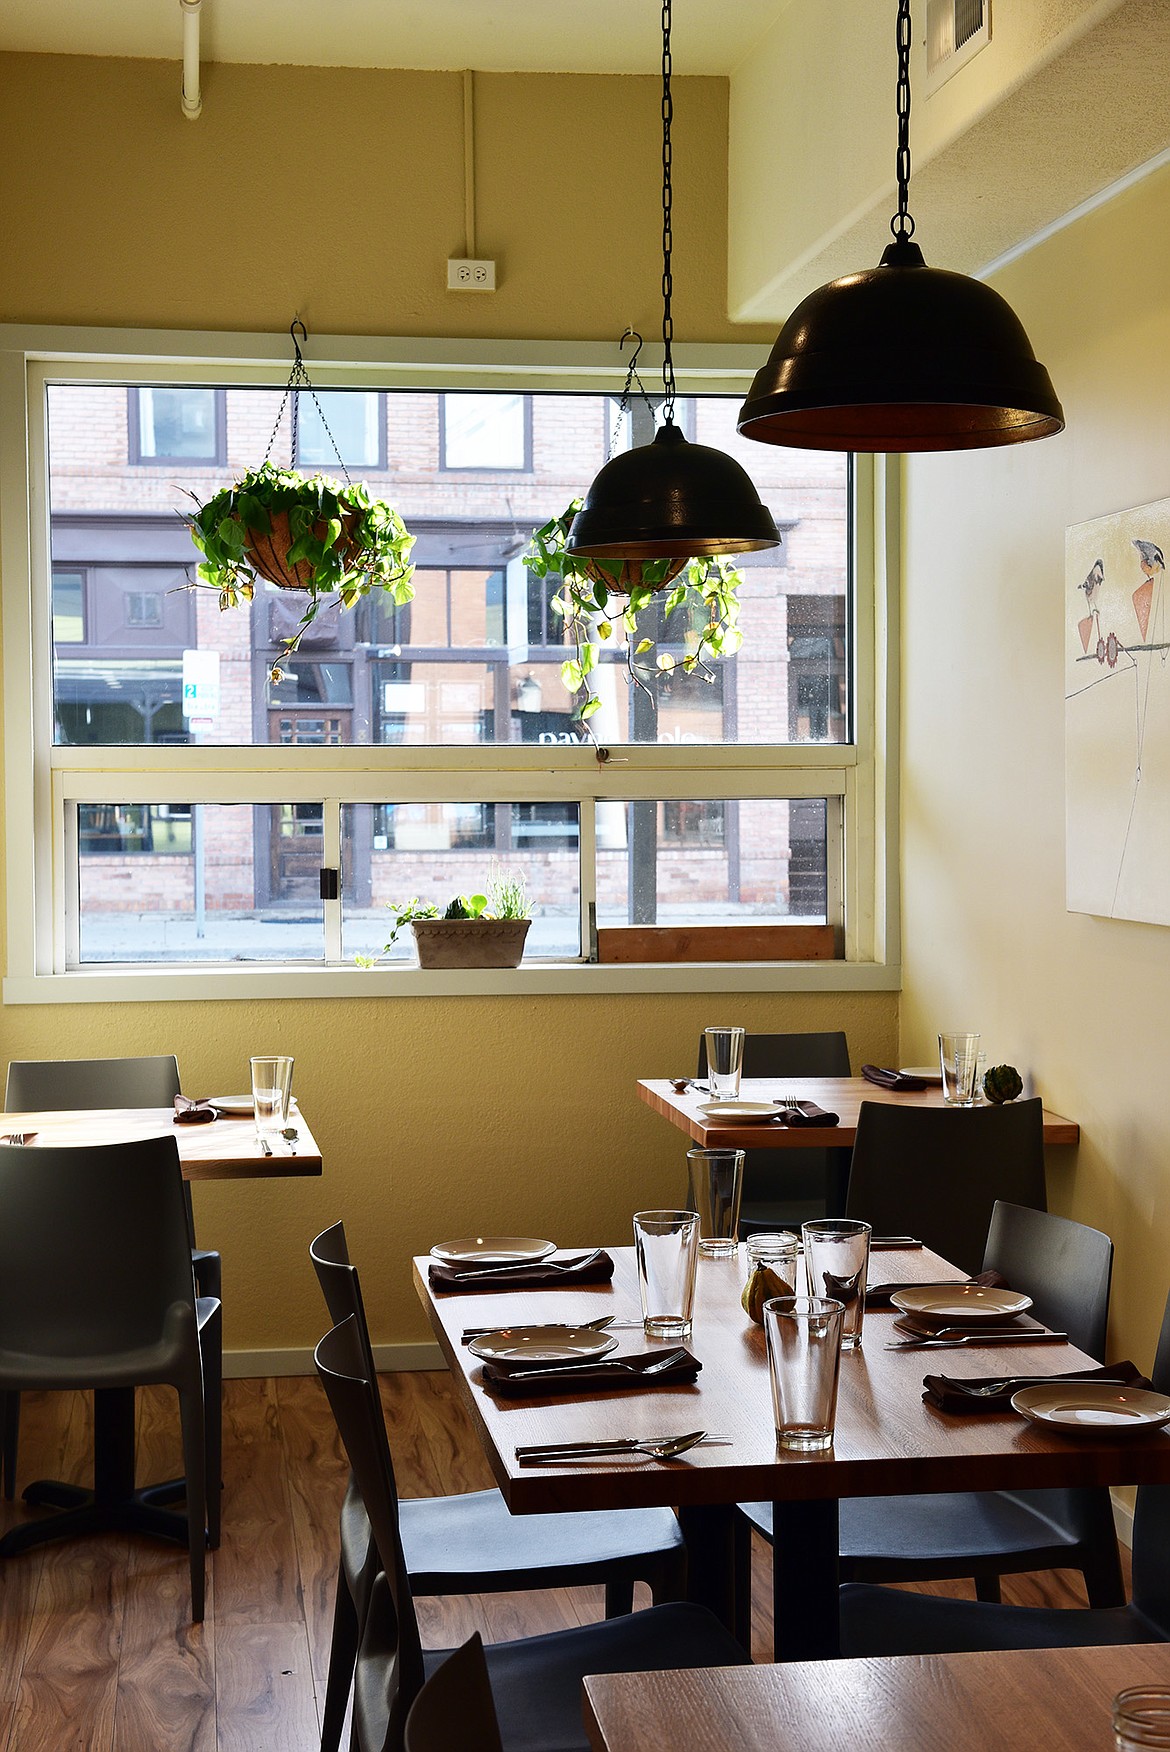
536,1682
889,1621
456,1542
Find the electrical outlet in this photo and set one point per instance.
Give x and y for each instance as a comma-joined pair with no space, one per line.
464,275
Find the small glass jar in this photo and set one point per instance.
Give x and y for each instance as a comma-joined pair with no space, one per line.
1141,1718
778,1251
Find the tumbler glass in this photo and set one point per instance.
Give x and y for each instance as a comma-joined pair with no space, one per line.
836,1260
667,1248
959,1060
271,1093
804,1359
1141,1718
716,1178
724,1061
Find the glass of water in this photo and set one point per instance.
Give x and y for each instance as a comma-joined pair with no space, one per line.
271,1094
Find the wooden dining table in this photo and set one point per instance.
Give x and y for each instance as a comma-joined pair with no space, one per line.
1007,1702
889,1441
221,1149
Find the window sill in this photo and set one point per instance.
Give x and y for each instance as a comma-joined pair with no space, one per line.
216,984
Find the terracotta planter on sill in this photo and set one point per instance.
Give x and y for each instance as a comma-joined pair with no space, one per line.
470,942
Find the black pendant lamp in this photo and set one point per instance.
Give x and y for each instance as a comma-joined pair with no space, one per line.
902,357
670,499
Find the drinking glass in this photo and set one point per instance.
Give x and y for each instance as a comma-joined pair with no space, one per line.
716,1178
959,1059
271,1092
804,1360
1141,1718
667,1247
836,1259
724,1061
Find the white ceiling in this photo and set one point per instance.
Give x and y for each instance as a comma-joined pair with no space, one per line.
558,36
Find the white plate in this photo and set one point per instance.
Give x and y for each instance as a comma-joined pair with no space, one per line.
239,1104
973,1302
542,1344
1093,1409
740,1112
497,1249
925,1073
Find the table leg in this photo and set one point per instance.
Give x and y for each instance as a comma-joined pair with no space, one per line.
805,1580
707,1529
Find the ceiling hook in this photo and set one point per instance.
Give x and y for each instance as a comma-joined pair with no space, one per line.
293,327
631,334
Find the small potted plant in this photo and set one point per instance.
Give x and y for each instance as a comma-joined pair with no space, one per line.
300,532
475,930
595,593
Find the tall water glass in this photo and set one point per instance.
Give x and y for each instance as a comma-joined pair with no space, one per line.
667,1248
724,1061
271,1094
804,1361
959,1060
1141,1718
716,1178
836,1261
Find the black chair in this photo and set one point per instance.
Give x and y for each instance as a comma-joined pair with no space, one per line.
64,1085
936,1172
1065,1268
471,1544
535,1682
784,1188
886,1621
455,1707
96,1291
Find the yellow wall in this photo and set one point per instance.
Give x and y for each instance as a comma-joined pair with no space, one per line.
434,1117
1080,1002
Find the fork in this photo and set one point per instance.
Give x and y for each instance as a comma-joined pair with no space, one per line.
990,1388
962,1339
17,1137
665,1361
656,1448
490,1271
601,1325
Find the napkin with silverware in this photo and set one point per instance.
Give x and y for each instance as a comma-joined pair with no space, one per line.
947,1393
595,1267
806,1113
878,1295
640,1372
884,1078
189,1112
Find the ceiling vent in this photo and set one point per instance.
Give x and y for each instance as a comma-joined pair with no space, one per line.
955,31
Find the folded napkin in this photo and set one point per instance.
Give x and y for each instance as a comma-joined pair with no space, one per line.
193,1112
887,1079
807,1113
581,1268
511,1381
878,1295
962,1396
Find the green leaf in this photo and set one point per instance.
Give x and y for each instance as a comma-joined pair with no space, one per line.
643,645
591,705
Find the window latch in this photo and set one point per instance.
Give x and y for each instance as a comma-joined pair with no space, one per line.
330,883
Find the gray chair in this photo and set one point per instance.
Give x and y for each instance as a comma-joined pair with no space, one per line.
65,1085
936,1172
535,1682
1065,1268
784,1188
455,1707
96,1291
887,1621
471,1544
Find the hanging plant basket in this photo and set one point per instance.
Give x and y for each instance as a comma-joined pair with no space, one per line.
623,576
267,551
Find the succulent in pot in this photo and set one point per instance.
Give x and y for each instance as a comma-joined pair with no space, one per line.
333,540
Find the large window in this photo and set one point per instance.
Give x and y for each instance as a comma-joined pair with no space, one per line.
190,804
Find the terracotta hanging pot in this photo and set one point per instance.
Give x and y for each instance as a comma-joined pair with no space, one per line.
268,554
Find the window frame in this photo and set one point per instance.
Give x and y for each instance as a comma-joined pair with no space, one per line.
329,465
43,781
134,452
479,468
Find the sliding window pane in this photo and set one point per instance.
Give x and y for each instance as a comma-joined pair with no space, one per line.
437,851
190,882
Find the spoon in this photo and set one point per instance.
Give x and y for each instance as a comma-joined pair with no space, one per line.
662,1448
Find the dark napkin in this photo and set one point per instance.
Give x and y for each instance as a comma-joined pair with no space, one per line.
948,1393
887,1079
193,1112
878,1295
597,1377
583,1268
806,1113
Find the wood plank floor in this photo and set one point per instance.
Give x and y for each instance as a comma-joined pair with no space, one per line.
97,1653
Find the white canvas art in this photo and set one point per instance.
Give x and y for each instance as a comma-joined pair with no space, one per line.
1117,715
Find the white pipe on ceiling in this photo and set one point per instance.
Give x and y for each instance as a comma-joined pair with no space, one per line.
192,100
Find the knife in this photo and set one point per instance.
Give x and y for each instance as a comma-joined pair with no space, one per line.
964,1340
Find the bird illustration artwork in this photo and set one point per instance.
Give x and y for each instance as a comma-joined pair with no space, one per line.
1152,561
1092,620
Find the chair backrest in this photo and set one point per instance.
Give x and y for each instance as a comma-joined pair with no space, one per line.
94,1257
1065,1267
789,1055
936,1172
455,1706
390,1666
341,1287
55,1085
1151,1518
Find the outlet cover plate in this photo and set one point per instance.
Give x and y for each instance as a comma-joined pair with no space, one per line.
467,275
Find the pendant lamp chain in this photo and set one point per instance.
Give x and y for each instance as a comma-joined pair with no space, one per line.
667,233
902,224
